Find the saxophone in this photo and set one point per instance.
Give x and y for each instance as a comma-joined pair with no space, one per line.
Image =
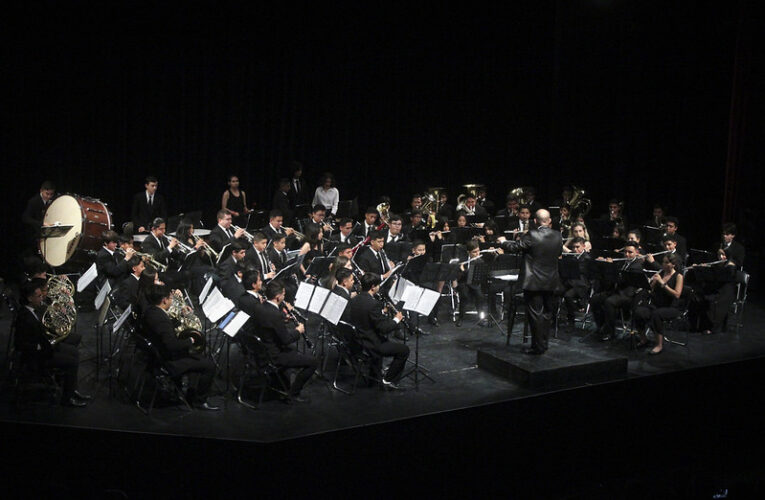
187,324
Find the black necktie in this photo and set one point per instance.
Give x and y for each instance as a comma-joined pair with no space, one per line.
264,263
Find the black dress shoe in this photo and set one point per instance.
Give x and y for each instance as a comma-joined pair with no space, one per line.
606,337
204,405
74,402
390,385
433,321
81,396
458,323
297,398
533,351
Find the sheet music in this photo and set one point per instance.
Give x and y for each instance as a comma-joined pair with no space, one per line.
87,278
427,301
236,324
123,317
205,290
334,307
216,305
303,295
102,294
411,295
317,301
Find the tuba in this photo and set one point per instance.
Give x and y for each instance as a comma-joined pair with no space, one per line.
61,315
580,206
186,323
520,195
384,210
472,189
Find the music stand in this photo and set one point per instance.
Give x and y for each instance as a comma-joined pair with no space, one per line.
319,267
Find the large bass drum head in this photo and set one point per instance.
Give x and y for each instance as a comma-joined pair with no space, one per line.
66,211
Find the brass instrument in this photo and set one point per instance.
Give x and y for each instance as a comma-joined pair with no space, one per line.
149,259
246,234
580,206
207,248
384,210
61,315
298,235
472,189
432,205
520,195
187,324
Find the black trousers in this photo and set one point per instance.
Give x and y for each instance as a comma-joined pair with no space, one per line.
293,359
540,305
67,359
473,292
571,298
200,372
400,354
605,309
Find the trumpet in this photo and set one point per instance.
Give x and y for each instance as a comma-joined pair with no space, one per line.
246,234
208,249
298,235
149,258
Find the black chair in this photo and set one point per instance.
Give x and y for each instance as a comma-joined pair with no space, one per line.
156,369
351,351
258,363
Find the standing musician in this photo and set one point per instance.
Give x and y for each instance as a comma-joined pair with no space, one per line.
235,201
279,340
577,290
666,290
542,248
327,194
281,200
34,213
147,206
298,192
373,327
222,234
158,328
466,289
369,224
606,304
110,264
372,259
31,340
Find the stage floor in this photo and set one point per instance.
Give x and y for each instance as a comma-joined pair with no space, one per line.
449,353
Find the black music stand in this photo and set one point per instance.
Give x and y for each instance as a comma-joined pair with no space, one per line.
398,251
452,251
319,267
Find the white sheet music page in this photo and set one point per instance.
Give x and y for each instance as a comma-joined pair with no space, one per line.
317,301
216,305
123,317
334,307
205,290
102,294
427,301
303,295
411,296
87,278
236,324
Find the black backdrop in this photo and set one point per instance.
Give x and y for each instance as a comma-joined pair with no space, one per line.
627,99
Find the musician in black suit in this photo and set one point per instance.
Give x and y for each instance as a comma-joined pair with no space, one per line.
227,266
509,214
252,299
475,212
298,193
369,224
127,293
394,232
280,341
672,225
467,288
345,234
415,224
158,328
607,303
223,234
257,256
34,212
344,288
281,200
110,264
445,209
542,248
577,290
275,226
147,206
316,221
31,340
166,251
372,259
374,327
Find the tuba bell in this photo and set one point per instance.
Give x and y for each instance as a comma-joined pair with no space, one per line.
520,195
580,206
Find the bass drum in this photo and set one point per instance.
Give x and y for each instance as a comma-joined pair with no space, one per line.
88,217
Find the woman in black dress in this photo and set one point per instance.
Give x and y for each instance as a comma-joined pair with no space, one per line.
666,291
235,201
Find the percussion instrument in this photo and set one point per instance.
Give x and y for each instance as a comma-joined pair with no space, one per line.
88,217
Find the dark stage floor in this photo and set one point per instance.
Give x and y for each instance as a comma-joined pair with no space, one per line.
462,392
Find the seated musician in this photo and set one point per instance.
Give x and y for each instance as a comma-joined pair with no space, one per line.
233,289
456,235
416,223
223,234
579,230
577,290
198,260
372,259
342,250
510,212
369,224
608,302
330,280
166,252
524,222
345,235
313,247
277,253
252,299
671,226
34,212
158,328
615,215
32,341
482,201
257,256
316,221
467,288
112,265
373,327
670,246
446,209
275,226
635,236
714,299
419,248
478,213
666,291
344,287
127,294
414,204
393,233
657,219
280,341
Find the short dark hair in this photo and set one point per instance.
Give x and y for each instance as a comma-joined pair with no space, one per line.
296,166
376,235
471,245
28,289
396,218
150,178
250,277
636,232
278,237
370,210
370,280
258,237
632,245
342,247
274,288
673,220
579,240
157,293
729,228
673,258
157,222
110,236
527,207
275,213
667,238
416,211
134,261
46,185
284,182
238,245
342,274
345,220
222,213
318,208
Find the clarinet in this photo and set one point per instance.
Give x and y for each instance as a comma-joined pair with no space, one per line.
291,315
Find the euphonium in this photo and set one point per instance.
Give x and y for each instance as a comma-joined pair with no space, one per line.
580,206
383,209
187,323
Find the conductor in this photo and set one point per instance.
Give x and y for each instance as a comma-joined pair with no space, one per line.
541,248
